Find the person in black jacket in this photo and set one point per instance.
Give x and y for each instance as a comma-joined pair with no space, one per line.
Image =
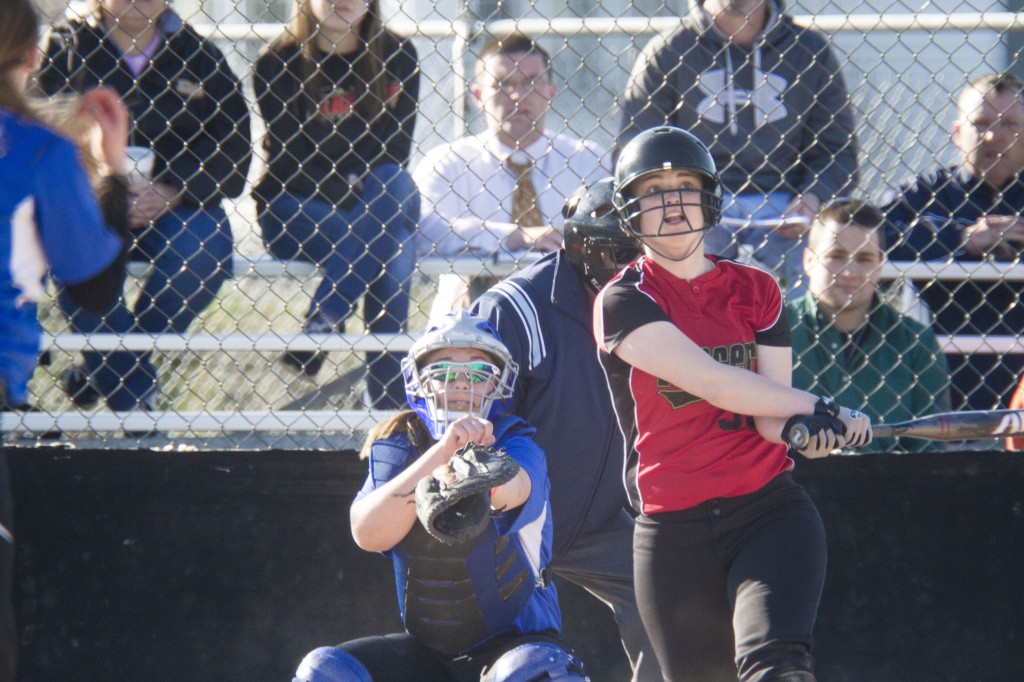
338,93
187,106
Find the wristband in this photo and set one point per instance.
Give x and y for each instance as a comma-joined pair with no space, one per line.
826,407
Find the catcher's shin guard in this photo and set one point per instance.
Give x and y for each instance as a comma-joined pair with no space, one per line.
536,662
329,664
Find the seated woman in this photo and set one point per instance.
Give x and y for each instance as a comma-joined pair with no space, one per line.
187,106
338,93
480,610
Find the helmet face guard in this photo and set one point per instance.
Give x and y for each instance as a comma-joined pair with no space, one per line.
596,244
429,387
709,203
660,149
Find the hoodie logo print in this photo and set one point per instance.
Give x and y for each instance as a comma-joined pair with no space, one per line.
766,98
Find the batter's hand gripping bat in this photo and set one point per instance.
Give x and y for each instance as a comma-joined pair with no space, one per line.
979,424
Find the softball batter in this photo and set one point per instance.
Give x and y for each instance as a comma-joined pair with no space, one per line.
729,551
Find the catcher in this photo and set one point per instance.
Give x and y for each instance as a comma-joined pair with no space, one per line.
457,497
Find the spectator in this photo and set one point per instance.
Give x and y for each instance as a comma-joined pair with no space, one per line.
482,605
338,92
51,224
501,191
848,343
971,212
187,106
543,314
768,98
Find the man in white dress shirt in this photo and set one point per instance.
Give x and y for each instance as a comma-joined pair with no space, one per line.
468,187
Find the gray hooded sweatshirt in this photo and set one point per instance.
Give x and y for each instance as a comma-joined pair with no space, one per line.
776,114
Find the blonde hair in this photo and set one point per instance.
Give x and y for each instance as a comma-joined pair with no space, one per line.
61,112
368,65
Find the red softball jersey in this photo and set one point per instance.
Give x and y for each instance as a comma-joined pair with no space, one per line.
681,450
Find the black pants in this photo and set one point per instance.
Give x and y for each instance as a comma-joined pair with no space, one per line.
401,657
731,587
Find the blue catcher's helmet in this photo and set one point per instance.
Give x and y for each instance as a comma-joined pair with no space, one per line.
427,385
536,662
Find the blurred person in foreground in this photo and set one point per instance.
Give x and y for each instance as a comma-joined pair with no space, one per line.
850,344
50,224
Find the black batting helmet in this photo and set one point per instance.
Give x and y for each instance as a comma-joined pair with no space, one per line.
596,245
666,148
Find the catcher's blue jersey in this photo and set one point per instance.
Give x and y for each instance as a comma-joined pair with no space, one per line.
491,587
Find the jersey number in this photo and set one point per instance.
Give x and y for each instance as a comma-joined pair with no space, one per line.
738,421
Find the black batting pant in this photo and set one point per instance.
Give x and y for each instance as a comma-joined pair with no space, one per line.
731,587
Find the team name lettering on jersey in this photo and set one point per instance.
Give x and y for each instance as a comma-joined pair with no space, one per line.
737,355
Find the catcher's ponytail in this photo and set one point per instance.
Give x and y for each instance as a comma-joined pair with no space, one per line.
407,422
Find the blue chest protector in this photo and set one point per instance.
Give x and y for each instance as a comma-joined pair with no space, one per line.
457,597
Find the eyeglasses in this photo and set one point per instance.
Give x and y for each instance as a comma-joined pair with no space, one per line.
522,87
447,372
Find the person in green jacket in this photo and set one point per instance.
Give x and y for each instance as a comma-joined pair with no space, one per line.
848,343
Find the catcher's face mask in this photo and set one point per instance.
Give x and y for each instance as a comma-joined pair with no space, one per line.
458,367
460,381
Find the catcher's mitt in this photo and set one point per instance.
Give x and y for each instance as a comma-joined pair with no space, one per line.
458,511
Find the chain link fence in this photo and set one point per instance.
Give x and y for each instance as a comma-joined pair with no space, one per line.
252,321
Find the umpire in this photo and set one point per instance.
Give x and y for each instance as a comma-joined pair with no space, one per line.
544,316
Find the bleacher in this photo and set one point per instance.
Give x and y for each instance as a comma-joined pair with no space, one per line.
317,421
264,268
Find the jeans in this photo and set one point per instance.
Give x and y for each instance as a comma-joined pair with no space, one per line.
761,246
363,251
190,250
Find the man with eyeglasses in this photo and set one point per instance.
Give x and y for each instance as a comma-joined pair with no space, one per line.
971,212
851,344
500,192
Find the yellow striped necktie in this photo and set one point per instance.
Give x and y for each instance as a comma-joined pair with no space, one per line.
525,209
